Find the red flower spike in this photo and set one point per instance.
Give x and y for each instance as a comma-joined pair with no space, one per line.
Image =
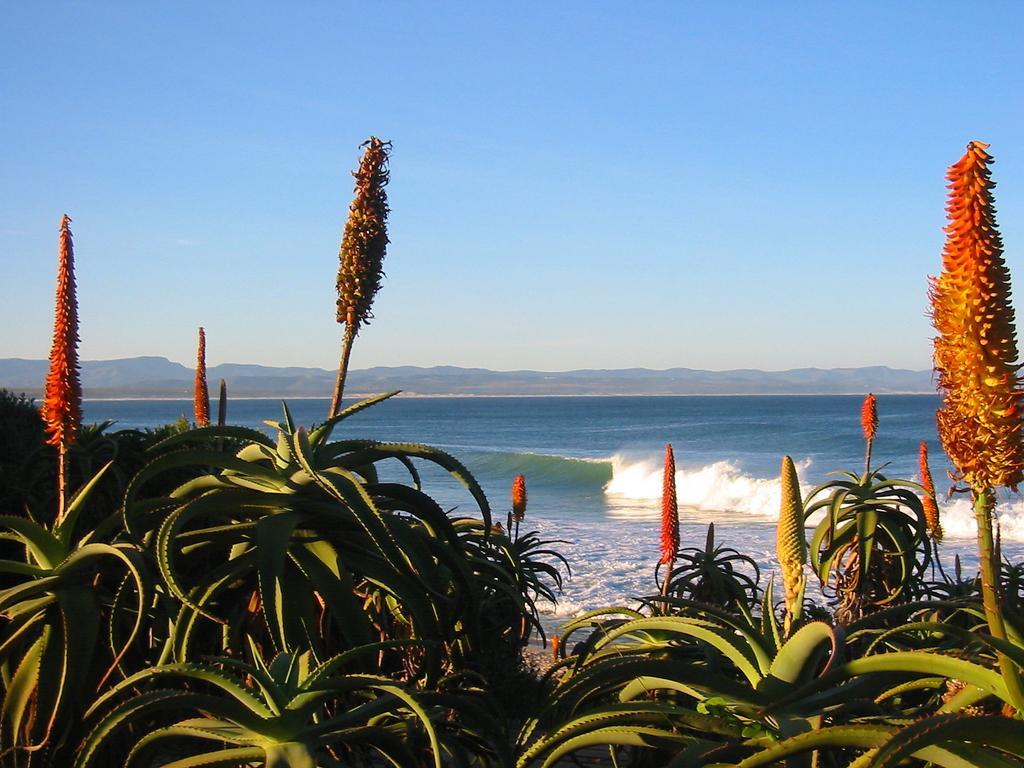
519,498
669,510
62,397
869,417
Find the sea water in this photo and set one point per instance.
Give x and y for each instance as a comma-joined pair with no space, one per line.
593,467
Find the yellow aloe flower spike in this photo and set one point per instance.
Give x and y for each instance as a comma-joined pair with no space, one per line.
791,545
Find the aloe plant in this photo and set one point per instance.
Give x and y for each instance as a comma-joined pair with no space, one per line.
297,541
54,651
871,547
682,682
290,713
715,574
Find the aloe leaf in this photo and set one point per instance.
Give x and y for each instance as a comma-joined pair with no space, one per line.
635,736
21,688
175,733
44,546
165,547
747,657
289,422
867,521
80,617
141,707
420,713
795,661
14,634
273,537
287,755
836,737
26,591
22,569
200,672
322,433
186,458
212,433
65,530
341,485
320,563
981,731
647,713
923,663
416,450
228,758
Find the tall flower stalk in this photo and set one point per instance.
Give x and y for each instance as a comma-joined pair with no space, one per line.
363,247
930,505
62,397
201,393
790,543
869,426
976,361
669,519
222,404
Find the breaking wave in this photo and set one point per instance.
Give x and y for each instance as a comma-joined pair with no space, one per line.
723,487
718,487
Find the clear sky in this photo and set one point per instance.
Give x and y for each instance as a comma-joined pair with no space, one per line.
587,184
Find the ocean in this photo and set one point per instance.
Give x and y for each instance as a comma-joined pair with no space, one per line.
593,467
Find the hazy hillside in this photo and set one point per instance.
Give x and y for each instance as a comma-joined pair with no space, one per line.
159,377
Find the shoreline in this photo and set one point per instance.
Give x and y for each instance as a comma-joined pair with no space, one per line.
457,396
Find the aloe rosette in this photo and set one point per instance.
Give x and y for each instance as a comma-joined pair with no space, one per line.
76,605
290,713
298,541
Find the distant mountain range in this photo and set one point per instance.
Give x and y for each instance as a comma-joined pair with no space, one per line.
158,377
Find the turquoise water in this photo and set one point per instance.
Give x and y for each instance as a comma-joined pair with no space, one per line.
593,465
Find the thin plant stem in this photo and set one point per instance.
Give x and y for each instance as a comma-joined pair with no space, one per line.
346,352
665,584
984,500
62,481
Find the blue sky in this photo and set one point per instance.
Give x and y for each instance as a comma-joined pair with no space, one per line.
573,185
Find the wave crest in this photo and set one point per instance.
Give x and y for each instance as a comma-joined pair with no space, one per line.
718,487
723,487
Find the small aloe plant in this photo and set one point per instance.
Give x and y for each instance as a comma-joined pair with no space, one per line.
52,650
871,547
290,713
715,574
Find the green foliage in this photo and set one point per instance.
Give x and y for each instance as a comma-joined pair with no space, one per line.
707,687
716,574
290,713
297,542
871,547
219,596
58,641
190,550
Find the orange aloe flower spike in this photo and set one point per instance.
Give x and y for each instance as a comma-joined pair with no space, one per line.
669,510
62,397
519,498
869,426
976,347
976,362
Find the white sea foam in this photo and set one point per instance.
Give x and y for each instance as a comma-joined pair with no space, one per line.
722,487
958,522
718,487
